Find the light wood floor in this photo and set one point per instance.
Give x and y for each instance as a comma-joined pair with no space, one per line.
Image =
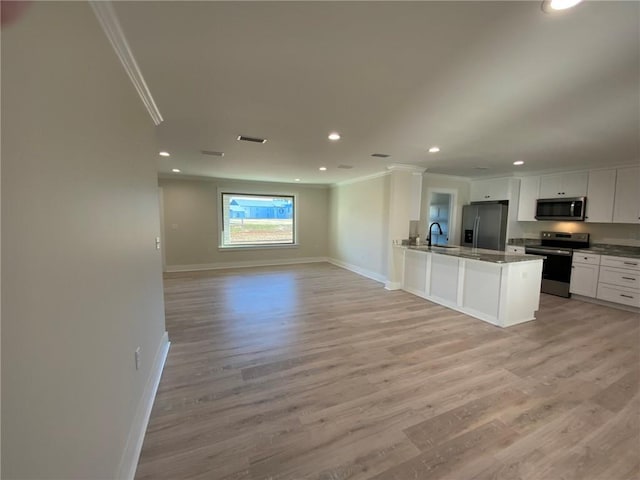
313,372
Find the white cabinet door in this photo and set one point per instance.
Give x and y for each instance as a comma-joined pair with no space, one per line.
490,190
529,187
626,207
600,196
444,278
584,279
575,184
564,185
481,290
415,272
550,186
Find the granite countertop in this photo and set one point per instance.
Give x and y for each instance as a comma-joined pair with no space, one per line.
483,255
613,250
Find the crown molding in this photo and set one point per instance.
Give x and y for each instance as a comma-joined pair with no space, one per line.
108,20
361,179
406,168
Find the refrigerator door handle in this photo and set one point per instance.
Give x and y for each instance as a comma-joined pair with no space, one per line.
476,231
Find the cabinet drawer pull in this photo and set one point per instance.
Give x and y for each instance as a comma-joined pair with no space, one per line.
628,278
630,263
626,296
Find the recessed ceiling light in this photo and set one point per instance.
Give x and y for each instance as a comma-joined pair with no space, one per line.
334,136
297,180
518,162
434,150
175,170
322,169
550,6
165,154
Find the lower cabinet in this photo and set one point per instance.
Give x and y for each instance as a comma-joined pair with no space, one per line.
619,280
585,271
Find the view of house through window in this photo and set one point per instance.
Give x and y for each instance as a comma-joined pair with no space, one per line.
257,219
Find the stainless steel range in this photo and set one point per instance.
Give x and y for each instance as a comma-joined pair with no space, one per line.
558,248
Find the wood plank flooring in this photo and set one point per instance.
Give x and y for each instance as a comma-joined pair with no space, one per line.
313,372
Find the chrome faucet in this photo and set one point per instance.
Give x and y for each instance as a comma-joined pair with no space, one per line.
430,234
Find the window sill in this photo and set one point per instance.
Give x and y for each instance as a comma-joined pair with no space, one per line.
222,248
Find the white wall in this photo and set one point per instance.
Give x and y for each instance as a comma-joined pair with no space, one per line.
358,226
191,209
81,278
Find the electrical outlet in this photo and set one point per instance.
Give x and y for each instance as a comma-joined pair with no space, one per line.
157,243
138,359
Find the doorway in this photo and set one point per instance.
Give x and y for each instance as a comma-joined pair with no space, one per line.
441,211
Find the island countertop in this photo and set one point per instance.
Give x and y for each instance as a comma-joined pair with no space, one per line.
481,254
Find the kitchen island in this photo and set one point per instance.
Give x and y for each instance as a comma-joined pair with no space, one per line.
497,287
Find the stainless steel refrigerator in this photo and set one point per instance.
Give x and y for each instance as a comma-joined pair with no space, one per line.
484,225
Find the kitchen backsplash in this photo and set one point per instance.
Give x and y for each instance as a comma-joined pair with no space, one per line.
610,233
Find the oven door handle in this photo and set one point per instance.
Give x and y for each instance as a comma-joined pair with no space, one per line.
543,251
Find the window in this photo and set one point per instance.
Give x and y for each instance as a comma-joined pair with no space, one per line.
250,220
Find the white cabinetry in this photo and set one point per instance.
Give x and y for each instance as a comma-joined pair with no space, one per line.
627,197
415,268
503,294
564,185
600,195
584,274
619,280
529,188
490,190
444,278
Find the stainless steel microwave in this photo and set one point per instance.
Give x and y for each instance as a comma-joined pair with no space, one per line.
561,208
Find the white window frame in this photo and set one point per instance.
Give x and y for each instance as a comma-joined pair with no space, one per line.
244,190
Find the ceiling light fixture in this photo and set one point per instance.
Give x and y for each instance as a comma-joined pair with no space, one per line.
551,6
322,169
518,162
297,180
165,154
334,136
175,170
434,149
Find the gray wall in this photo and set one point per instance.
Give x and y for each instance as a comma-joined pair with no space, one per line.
81,277
191,209
358,225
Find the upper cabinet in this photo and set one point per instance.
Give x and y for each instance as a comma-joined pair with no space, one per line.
627,196
600,195
529,187
490,190
564,185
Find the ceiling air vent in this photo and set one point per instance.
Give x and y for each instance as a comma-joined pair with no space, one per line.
212,153
345,167
252,139
380,155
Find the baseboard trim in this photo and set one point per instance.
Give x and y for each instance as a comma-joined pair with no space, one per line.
131,455
392,285
245,264
359,270
605,303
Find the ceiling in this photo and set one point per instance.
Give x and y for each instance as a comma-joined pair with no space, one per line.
487,82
